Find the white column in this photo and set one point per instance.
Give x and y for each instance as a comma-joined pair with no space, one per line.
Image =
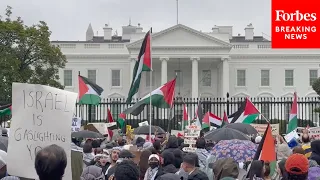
132,64
225,76
195,77
164,69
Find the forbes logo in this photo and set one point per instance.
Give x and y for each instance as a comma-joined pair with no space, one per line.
281,15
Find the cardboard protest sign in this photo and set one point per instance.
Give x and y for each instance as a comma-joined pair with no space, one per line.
192,132
76,124
42,117
261,128
176,132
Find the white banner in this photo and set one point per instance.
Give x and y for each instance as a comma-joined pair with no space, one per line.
144,123
42,117
76,124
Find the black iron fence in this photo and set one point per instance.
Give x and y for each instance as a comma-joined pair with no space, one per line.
275,109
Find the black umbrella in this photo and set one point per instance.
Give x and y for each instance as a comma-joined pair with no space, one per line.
244,128
86,134
4,143
225,134
145,130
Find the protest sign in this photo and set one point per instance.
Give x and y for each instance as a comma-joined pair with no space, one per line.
176,132
261,128
144,123
76,124
42,117
191,133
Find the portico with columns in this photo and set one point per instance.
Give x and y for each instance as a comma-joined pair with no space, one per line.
195,57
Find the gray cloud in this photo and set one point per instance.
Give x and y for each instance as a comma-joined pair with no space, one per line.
69,19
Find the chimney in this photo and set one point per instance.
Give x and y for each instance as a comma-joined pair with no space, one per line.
107,32
249,32
139,29
215,29
89,33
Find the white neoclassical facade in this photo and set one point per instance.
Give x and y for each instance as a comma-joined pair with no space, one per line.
209,64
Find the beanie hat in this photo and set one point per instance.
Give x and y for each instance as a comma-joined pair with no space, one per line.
258,139
297,164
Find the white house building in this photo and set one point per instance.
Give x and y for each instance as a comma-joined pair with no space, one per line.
209,64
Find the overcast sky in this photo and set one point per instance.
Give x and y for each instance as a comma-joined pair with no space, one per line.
69,19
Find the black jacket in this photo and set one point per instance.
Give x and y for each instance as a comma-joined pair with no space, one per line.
198,175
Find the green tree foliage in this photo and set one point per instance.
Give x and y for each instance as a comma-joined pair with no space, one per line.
316,88
26,54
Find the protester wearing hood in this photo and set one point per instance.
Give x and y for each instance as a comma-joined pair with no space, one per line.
143,163
88,157
306,144
154,170
282,170
92,173
169,176
225,167
123,155
283,151
177,158
140,141
168,161
126,170
315,147
172,144
157,146
189,166
102,162
208,169
202,153
255,170
297,167
147,145
114,156
313,173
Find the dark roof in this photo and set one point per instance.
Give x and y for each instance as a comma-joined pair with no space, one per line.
98,39
243,39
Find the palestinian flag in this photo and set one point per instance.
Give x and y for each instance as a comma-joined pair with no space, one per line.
121,120
5,110
199,114
225,119
247,113
266,150
293,119
89,92
143,64
109,117
211,118
185,117
161,98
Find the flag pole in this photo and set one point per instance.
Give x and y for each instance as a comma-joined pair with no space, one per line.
150,105
265,118
177,12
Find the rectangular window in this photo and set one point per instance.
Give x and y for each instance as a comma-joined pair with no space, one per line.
92,75
67,77
115,82
241,77
313,75
265,77
179,80
206,77
148,78
289,81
